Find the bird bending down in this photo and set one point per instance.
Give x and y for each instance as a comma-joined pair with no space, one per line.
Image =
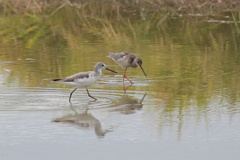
83,79
125,60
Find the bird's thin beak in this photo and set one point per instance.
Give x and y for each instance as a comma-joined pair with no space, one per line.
142,70
111,70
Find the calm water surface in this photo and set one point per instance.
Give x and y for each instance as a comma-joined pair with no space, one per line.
187,107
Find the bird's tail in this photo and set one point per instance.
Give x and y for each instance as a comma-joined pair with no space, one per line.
55,80
109,54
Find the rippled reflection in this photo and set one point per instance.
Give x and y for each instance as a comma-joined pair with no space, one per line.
84,120
127,104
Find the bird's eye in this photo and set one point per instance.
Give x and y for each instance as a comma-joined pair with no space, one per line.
102,65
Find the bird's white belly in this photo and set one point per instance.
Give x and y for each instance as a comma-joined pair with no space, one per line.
85,82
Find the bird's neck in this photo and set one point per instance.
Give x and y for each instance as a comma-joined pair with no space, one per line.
134,63
98,72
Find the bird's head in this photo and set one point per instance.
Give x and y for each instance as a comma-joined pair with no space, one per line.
140,62
101,65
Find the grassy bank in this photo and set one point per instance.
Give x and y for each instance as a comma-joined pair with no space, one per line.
39,22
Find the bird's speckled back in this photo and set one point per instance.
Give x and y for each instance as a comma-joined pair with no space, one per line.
124,59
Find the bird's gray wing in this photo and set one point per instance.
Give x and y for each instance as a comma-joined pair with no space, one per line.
76,76
121,56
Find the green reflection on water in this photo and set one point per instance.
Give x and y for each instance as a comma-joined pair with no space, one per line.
186,58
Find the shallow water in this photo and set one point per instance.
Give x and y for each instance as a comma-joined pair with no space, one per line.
187,107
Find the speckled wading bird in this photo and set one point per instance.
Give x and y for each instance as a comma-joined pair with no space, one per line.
83,79
125,60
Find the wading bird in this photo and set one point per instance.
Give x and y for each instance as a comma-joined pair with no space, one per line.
125,60
83,79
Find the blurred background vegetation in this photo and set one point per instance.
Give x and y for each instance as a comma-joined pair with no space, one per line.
37,22
191,48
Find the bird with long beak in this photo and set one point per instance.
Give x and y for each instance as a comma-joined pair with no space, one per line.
84,79
125,60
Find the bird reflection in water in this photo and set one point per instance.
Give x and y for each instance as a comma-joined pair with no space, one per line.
126,88
128,105
84,120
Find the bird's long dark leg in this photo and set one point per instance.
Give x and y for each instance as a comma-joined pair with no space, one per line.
71,95
90,95
125,76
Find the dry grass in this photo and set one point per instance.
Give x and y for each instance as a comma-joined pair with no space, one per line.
193,6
